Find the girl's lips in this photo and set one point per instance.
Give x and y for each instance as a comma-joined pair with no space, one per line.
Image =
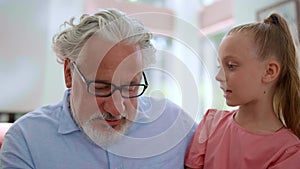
227,93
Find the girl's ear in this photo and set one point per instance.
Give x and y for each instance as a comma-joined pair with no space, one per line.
68,73
271,72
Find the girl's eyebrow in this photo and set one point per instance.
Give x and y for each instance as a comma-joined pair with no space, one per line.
229,57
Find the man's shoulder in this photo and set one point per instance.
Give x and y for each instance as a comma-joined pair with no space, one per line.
165,114
53,111
162,131
162,104
163,108
48,114
46,110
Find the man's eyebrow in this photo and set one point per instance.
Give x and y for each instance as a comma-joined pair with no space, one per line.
136,79
101,81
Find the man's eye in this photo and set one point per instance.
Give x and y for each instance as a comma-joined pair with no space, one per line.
130,88
102,88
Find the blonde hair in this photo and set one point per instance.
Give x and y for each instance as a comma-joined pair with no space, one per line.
273,39
110,25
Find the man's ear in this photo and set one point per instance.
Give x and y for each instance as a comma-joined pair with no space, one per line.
271,72
68,73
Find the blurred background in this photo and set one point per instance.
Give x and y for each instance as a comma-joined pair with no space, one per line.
186,34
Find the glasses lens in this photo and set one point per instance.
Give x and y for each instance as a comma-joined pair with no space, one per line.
100,89
105,90
132,90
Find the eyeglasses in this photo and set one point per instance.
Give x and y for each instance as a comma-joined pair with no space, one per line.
101,88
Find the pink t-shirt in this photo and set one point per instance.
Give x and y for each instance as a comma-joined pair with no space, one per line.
220,143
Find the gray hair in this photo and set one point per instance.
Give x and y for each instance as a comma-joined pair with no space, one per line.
111,25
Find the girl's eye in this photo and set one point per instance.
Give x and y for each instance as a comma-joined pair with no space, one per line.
231,66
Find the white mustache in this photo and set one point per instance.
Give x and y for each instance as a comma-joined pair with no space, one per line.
107,116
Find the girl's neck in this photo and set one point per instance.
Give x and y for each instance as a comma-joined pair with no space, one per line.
258,119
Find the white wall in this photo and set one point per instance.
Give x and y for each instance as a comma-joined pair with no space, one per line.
29,74
245,10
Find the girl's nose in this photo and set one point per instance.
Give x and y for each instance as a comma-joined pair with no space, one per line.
220,75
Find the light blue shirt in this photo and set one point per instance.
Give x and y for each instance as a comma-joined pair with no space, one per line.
48,138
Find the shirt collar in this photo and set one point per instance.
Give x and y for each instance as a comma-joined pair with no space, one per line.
67,124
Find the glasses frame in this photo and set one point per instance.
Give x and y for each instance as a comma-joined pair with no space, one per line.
115,87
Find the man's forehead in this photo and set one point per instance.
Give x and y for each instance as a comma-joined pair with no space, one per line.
97,52
98,47
94,49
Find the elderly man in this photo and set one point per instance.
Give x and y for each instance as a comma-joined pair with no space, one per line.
102,122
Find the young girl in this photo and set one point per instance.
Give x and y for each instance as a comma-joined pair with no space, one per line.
259,73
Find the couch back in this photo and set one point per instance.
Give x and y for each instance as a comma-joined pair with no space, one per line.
3,129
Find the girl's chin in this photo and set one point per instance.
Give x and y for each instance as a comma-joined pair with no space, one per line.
231,104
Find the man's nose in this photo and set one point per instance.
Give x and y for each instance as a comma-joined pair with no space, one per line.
115,104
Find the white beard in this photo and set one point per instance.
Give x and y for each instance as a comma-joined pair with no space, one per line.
107,135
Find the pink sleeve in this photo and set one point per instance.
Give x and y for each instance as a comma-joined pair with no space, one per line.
290,159
194,157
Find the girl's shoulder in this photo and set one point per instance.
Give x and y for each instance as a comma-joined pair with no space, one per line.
216,116
212,120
